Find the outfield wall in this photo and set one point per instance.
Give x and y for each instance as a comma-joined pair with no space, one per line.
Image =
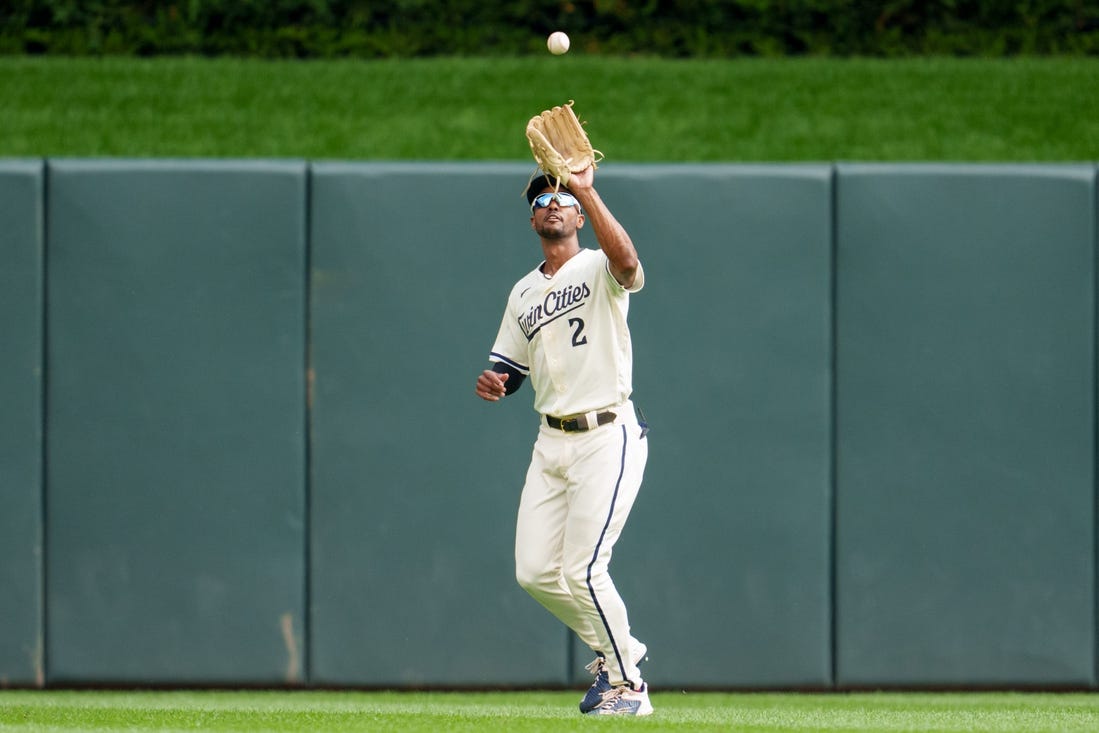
240,444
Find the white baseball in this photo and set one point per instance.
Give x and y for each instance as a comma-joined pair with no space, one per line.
557,43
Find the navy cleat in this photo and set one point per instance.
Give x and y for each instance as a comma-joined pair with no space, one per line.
625,701
599,688
602,684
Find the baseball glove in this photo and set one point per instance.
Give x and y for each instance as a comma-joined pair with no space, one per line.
559,144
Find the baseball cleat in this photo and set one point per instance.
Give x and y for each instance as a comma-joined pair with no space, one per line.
625,701
600,687
602,684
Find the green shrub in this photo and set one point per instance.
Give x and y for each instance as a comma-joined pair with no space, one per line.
673,28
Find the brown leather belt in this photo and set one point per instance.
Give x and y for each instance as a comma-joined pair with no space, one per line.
579,423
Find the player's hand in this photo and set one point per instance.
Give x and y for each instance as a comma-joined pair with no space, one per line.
582,179
490,385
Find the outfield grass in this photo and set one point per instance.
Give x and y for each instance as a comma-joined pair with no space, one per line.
520,712
641,110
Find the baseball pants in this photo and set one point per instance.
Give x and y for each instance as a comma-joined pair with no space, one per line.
579,490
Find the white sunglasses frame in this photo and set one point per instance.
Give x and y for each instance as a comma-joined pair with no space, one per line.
554,195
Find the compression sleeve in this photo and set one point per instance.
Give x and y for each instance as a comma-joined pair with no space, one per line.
515,377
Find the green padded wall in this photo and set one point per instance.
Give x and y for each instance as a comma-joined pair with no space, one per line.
725,565
415,481
176,414
965,413
21,242
198,530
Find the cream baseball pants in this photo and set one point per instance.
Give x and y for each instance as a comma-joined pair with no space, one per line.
579,490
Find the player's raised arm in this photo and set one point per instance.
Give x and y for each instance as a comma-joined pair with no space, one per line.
612,236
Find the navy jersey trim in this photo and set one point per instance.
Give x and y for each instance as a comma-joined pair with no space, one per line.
493,356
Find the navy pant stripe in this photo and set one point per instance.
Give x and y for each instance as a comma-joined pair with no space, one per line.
595,555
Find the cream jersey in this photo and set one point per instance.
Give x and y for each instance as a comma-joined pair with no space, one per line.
568,333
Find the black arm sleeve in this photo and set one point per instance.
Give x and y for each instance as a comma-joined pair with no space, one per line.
515,378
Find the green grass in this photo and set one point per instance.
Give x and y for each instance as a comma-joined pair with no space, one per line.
640,109
519,712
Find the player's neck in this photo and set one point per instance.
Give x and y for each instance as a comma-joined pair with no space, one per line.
557,253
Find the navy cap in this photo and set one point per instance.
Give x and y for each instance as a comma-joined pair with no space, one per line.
540,182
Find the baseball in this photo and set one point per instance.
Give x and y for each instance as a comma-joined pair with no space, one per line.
557,43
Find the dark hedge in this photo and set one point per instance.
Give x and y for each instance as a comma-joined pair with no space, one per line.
670,28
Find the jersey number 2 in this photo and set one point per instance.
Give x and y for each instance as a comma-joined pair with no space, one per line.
578,339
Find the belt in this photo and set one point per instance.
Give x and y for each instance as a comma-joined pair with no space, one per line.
580,423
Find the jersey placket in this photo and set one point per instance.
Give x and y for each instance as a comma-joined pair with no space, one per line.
555,360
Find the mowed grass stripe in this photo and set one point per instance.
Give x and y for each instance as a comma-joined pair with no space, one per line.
638,109
540,711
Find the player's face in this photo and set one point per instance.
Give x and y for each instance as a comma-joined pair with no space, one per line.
556,216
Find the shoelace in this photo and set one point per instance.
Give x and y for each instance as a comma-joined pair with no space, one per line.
610,698
596,665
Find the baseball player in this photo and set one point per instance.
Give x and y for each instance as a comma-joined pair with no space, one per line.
565,328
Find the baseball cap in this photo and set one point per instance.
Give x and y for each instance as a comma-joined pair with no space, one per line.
537,184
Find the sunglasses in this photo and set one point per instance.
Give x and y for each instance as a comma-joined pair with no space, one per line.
542,200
